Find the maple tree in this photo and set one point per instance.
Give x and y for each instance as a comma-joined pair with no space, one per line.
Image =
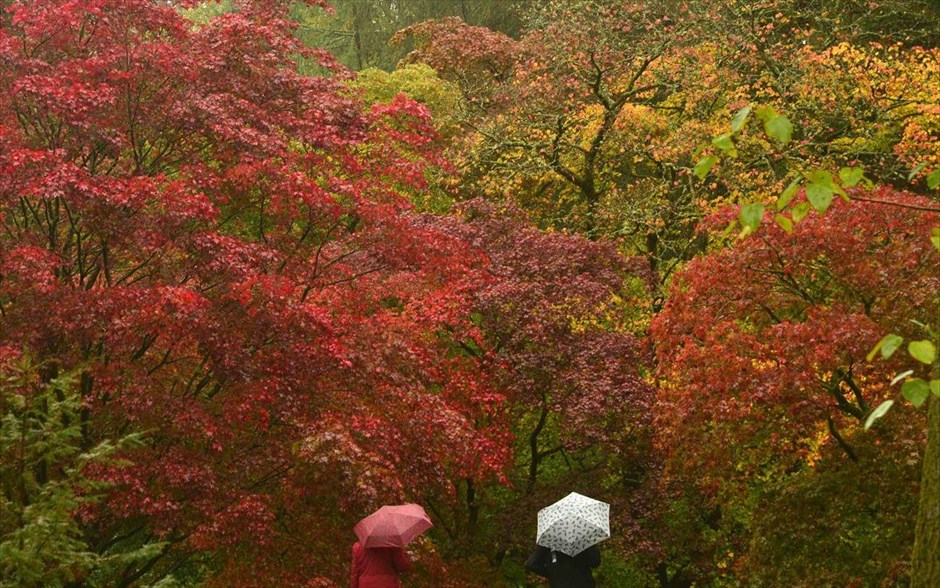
582,68
554,334
222,250
477,59
763,346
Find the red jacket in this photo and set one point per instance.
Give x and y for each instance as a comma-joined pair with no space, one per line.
377,567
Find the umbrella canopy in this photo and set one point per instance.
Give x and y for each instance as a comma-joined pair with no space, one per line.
573,524
392,526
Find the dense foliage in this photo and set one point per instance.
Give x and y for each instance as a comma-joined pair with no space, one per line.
220,249
776,330
248,295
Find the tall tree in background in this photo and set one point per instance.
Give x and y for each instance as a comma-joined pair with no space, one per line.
358,31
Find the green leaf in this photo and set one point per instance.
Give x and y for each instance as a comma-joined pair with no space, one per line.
788,193
878,413
779,128
935,237
820,196
800,211
819,176
699,149
935,387
888,345
922,351
726,144
740,118
750,216
785,223
704,166
916,391
851,176
825,178
916,170
933,179
765,113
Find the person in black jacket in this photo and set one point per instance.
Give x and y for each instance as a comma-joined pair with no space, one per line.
564,571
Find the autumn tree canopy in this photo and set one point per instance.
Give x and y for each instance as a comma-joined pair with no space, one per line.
220,251
262,272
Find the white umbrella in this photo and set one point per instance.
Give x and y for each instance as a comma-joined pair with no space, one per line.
573,524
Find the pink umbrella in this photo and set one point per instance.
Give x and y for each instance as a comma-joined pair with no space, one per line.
392,526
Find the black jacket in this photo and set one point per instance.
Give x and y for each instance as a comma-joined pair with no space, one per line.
565,571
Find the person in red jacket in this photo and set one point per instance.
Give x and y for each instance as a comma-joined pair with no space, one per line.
377,567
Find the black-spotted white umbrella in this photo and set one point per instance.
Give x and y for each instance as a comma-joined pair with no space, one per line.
573,524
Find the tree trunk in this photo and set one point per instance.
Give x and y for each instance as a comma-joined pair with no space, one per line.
357,38
534,449
925,572
473,509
